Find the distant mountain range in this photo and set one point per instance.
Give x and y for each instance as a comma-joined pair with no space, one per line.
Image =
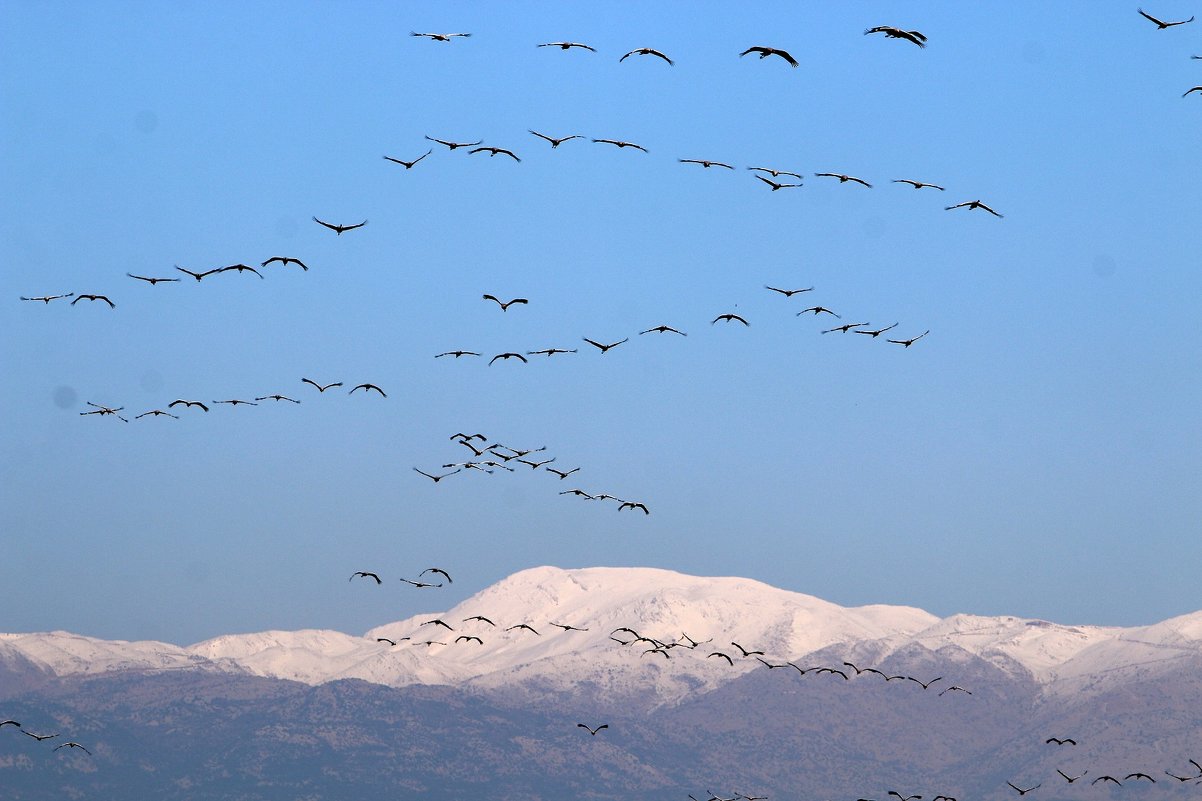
321,714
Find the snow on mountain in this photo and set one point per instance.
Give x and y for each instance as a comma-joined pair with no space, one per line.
657,604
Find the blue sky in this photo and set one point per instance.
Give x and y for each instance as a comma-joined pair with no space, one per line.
1038,454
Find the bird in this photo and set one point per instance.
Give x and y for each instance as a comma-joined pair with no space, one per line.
505,304
320,388
277,398
440,37
876,332
663,329
833,671
421,584
457,353
579,492
286,260
365,574
1022,792
237,402
590,729
923,684
567,627
746,652
1167,773
844,328
241,268
633,505
1107,779
40,737
1160,25
436,479
338,229
549,351
843,178
385,639
706,164
1067,778
197,275
73,744
453,145
972,204
764,52
409,164
918,184
437,622
555,142
80,297
621,144
897,33
817,311
775,186
1195,89
47,298
367,388
905,797
724,656
189,403
469,638
728,318
10,722
155,413
562,473
646,51
788,293
492,151
103,410
1139,776
776,173
428,643
660,651
604,348
153,281
908,342
568,46
481,618
1060,741
536,465
956,687
507,356
437,570
468,437
526,626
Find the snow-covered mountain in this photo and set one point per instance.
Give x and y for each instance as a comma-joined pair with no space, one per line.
659,605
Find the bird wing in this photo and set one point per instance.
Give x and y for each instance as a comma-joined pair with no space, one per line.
319,222
1148,16
783,54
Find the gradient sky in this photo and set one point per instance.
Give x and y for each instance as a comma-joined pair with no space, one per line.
1038,454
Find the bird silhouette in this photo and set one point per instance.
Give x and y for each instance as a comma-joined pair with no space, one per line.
562,473
437,570
604,348
843,178
706,164
728,318
1022,792
188,403
236,402
319,387
438,622
973,204
1067,778
509,355
385,639
457,353
1191,91
633,505
776,173
923,684
568,45
578,492
1139,776
526,626
480,618
155,413
646,51
152,281
73,744
729,661
367,388
591,730
1106,779
1060,741
277,398
492,151
775,186
9,722
918,184
40,737
365,574
435,479
620,144
286,260
897,33
555,142
876,332
506,304
844,328
409,164
764,52
788,293
241,268
1160,25
80,297
663,329
338,229
47,298
908,342
549,351
440,37
421,584
745,652
197,275
817,311
905,797
105,410
956,687
454,145
469,638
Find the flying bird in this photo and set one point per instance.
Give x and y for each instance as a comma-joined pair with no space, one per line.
457,353
775,186
1060,741
73,744
47,298
663,329
908,342
320,388
367,388
745,652
579,492
706,164
526,626
897,33
776,173
1174,775
492,151
203,408
620,144
764,52
437,570
646,51
604,348
1140,776
78,298
1105,779
338,229
843,178
286,260
817,311
972,204
876,332
555,142
507,356
453,145
277,398
724,656
437,622
481,618
922,684
956,687
1195,89
568,46
505,304
440,37
549,351
435,479
365,574
103,410
536,465
905,797
1022,792
196,275
155,413
469,638
844,328
1160,25
632,505
728,318
4,723
385,639
237,402
421,584
151,281
409,164
788,293
567,627
241,268
40,737
562,473
918,184
591,730
1067,778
